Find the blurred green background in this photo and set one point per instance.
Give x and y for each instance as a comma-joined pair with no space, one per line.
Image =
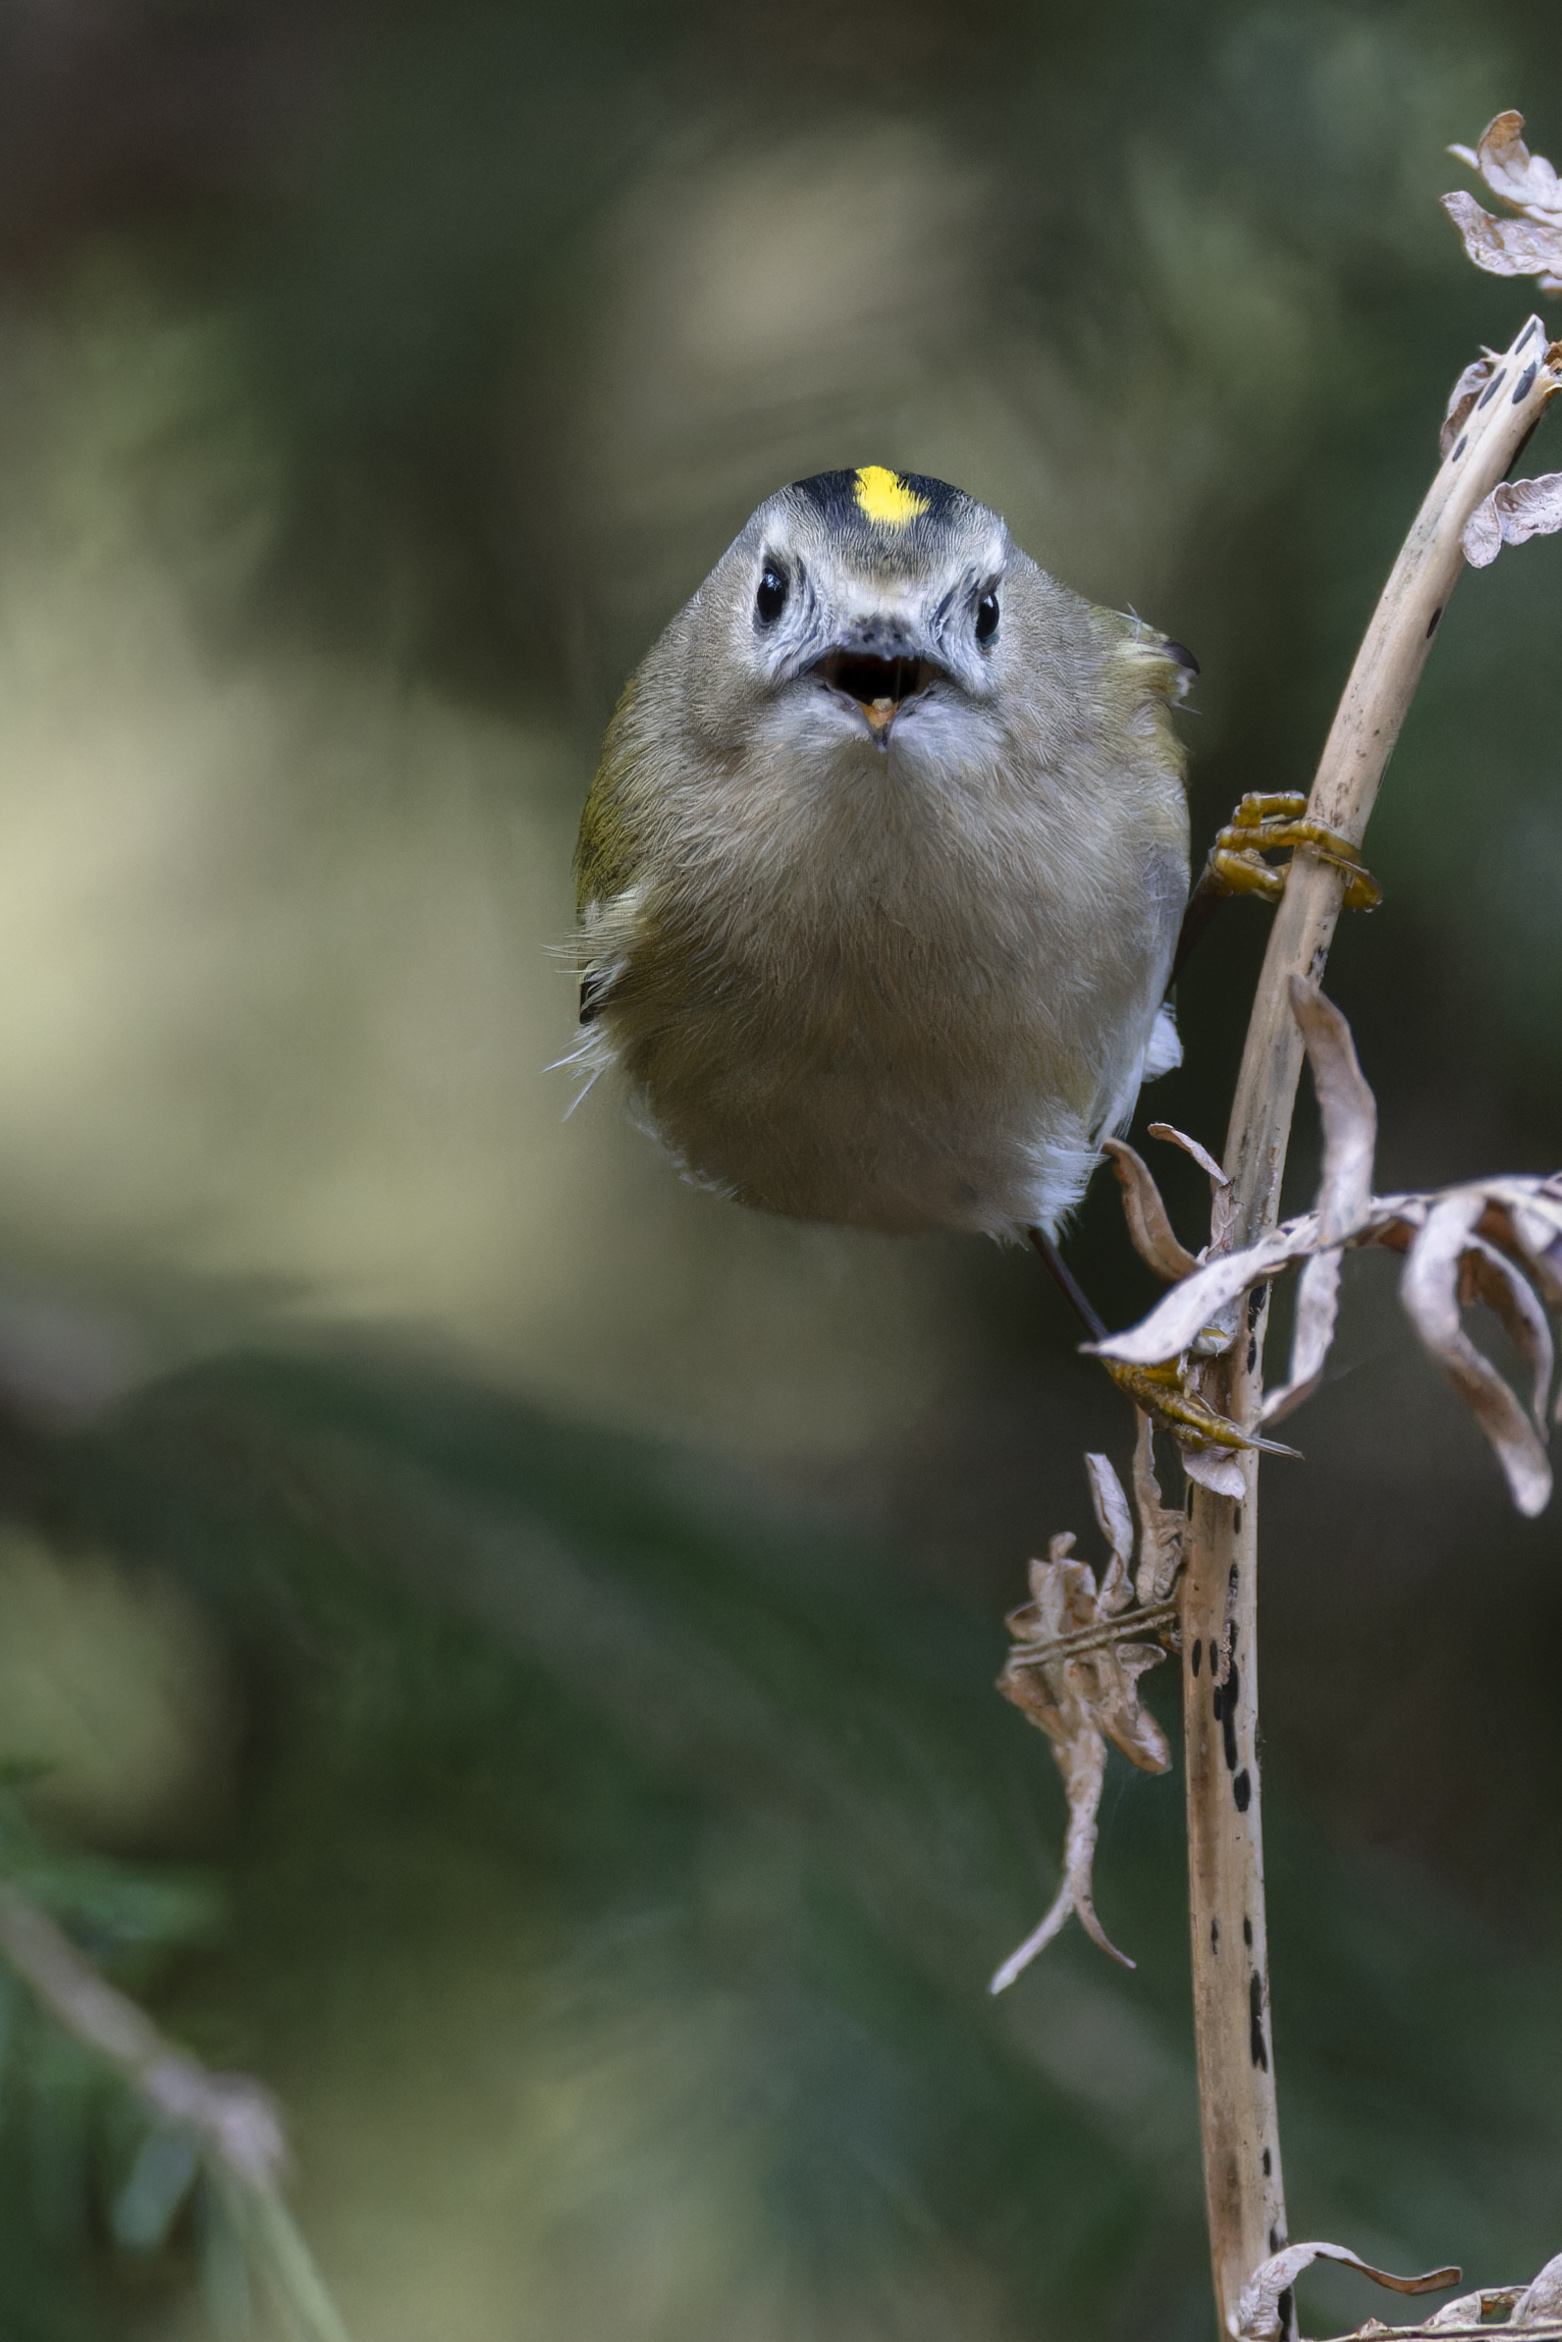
518,1631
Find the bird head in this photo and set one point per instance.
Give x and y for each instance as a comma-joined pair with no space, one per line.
858,610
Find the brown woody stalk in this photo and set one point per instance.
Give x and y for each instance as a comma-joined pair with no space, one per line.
1242,2173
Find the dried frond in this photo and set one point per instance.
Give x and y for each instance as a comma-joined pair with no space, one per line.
1149,1224
1495,1240
1350,1127
1209,1443
1515,511
1461,399
1258,2311
1534,2310
1075,1669
1190,1146
1543,2298
1160,1525
1530,244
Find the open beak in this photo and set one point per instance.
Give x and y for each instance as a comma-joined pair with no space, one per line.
879,686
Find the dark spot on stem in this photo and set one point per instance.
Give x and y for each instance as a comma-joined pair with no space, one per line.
1242,1790
1524,336
1526,382
1431,624
1226,1716
1268,2164
1459,450
1255,1302
1283,2306
1492,388
1252,1354
1198,1657
1214,1935
1255,2011
1236,1520
1247,1933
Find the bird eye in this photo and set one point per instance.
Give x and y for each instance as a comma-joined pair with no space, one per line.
987,618
770,600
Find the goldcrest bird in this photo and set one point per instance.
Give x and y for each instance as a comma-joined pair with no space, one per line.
881,877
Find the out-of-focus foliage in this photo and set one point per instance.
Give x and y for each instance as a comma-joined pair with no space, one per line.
612,1852
614,1883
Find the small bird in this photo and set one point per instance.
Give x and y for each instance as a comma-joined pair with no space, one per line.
881,877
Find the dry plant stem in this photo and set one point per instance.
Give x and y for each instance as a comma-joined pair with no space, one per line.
241,2140
1545,2330
1225,1845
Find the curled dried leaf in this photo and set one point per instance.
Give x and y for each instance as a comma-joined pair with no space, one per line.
1083,1766
1507,247
1429,1288
1112,1518
1190,1146
1223,1213
1221,1473
1515,511
1346,1105
1496,1240
1149,1227
1469,2309
1529,244
1462,398
1485,1274
1350,1130
1173,1324
1524,180
1161,1526
1074,1672
1517,1217
1258,2311
1541,2301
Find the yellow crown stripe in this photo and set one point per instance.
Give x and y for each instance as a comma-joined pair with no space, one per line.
884,497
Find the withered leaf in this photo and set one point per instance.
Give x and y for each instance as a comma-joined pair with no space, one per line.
1190,1146
1350,1132
1502,159
1213,1470
1531,243
1543,2299
1515,511
1468,2309
1485,1274
1173,1324
1258,2310
1223,1209
1160,1525
1429,1288
1507,247
1462,398
1149,1226
1081,1698
1495,1240
1113,1519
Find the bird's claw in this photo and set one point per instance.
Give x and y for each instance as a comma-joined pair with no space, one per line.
1266,823
1163,1393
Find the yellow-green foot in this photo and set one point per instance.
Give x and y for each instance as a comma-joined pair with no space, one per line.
1265,824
